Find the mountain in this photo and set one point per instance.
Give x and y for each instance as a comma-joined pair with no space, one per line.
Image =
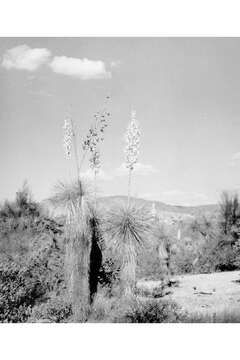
163,210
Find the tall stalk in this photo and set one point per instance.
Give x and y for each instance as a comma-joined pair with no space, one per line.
132,150
92,142
78,244
95,190
129,187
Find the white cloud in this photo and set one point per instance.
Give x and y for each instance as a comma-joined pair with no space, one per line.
140,169
23,57
81,68
235,159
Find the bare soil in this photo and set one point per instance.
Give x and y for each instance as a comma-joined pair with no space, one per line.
204,293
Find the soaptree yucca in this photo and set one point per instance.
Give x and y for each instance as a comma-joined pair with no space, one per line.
74,200
127,228
128,225
82,223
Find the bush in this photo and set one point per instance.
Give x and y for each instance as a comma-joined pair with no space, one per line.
109,274
19,290
27,281
56,309
148,311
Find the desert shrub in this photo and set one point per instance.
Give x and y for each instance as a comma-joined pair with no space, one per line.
109,274
28,280
147,311
229,221
212,244
21,221
149,266
56,309
19,290
20,213
153,292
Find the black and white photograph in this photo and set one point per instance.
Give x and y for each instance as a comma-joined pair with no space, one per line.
119,179
119,186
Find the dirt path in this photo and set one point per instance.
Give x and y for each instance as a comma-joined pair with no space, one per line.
206,293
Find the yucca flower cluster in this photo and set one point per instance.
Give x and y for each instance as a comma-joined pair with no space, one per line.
95,161
132,142
94,137
96,131
67,137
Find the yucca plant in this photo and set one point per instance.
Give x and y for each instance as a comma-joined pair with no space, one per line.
128,225
73,199
127,228
82,224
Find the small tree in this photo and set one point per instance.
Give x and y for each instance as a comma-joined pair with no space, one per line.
230,215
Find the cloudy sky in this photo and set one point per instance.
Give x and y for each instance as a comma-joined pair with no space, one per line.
186,93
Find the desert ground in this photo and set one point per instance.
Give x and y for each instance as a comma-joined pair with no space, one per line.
205,294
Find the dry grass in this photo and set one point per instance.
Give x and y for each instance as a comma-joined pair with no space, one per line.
225,316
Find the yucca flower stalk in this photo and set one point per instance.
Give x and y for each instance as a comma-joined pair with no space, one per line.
127,229
132,138
70,144
77,229
92,142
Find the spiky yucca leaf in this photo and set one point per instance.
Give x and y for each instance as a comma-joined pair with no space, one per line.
127,224
68,195
127,229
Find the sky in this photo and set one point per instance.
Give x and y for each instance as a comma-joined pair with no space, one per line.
186,94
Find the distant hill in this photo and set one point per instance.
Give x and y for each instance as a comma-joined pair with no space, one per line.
163,209
165,212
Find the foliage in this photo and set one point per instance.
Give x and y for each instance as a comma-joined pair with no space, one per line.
56,309
109,274
148,311
127,228
68,196
230,215
20,288
155,292
73,198
19,214
26,281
